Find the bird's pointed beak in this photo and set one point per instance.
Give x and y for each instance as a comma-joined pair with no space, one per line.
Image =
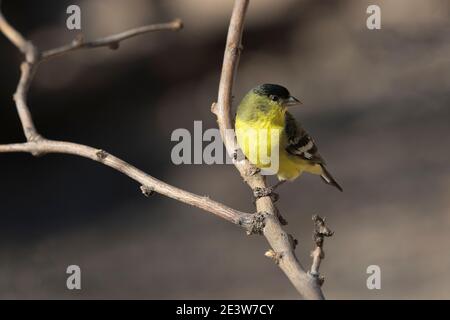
292,101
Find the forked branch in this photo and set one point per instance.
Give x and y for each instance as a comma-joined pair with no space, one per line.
111,41
38,145
265,221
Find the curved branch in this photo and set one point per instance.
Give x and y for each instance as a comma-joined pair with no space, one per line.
12,34
149,183
38,145
33,57
281,242
27,71
111,41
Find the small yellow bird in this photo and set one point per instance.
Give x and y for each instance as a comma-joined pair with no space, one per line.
263,125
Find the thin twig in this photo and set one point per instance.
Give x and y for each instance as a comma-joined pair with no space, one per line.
318,254
111,41
12,34
33,57
28,69
281,243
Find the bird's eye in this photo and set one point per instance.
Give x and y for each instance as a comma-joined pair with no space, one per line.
274,98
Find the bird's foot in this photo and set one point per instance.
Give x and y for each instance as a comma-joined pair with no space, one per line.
268,191
252,171
265,192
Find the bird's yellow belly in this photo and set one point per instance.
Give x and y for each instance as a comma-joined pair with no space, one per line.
291,166
258,143
264,146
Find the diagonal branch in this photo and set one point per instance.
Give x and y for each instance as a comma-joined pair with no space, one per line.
27,72
111,41
12,34
282,243
149,183
38,145
28,69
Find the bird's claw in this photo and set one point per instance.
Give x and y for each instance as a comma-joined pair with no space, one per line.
253,170
274,196
265,192
262,192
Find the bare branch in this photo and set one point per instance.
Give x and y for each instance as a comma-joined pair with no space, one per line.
12,34
44,146
28,68
38,145
266,221
320,232
282,249
111,41
20,97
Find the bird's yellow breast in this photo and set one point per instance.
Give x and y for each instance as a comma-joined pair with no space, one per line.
263,141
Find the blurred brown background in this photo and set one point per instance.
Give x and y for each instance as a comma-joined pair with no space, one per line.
377,102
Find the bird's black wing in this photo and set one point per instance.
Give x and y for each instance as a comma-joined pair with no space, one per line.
299,142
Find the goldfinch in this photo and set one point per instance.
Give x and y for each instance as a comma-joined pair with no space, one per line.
264,110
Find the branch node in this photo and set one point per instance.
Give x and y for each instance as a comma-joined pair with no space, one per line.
320,230
33,136
214,107
257,223
235,51
32,54
293,241
275,256
147,191
178,24
238,155
252,170
317,277
281,219
78,40
101,154
260,192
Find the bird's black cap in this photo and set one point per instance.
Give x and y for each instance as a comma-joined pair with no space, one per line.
268,89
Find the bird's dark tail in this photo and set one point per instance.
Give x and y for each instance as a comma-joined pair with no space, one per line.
328,178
